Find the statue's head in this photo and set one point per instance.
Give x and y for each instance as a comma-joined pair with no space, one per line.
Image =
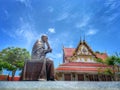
44,38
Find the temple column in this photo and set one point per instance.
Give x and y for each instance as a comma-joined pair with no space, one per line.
76,77
63,78
93,77
84,77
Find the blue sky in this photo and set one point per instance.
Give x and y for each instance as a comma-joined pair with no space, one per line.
23,21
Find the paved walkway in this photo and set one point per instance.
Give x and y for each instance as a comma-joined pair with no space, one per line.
58,85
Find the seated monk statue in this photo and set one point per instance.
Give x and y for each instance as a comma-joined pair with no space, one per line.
39,53
39,67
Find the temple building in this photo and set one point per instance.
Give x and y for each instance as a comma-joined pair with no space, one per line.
80,64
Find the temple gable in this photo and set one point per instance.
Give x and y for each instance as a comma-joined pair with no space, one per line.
83,53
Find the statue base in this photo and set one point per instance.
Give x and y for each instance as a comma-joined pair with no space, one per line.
35,70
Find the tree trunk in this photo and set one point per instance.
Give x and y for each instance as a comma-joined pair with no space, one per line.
13,74
1,71
118,68
114,72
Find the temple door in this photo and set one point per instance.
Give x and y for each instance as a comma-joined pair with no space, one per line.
91,77
96,78
67,77
80,77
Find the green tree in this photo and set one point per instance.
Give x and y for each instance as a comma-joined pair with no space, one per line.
99,60
1,66
100,70
108,71
12,58
114,61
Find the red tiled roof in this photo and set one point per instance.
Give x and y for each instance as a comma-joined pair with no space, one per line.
81,67
68,51
77,69
103,56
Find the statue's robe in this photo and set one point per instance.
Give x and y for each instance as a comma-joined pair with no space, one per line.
39,67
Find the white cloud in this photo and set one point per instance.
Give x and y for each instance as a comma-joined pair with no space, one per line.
70,46
59,41
55,55
113,17
91,32
27,3
6,13
63,16
84,22
59,55
51,30
112,4
111,7
25,32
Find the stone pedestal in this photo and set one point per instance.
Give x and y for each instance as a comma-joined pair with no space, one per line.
35,70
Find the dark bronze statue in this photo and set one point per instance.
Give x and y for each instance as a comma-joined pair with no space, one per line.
39,52
40,67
